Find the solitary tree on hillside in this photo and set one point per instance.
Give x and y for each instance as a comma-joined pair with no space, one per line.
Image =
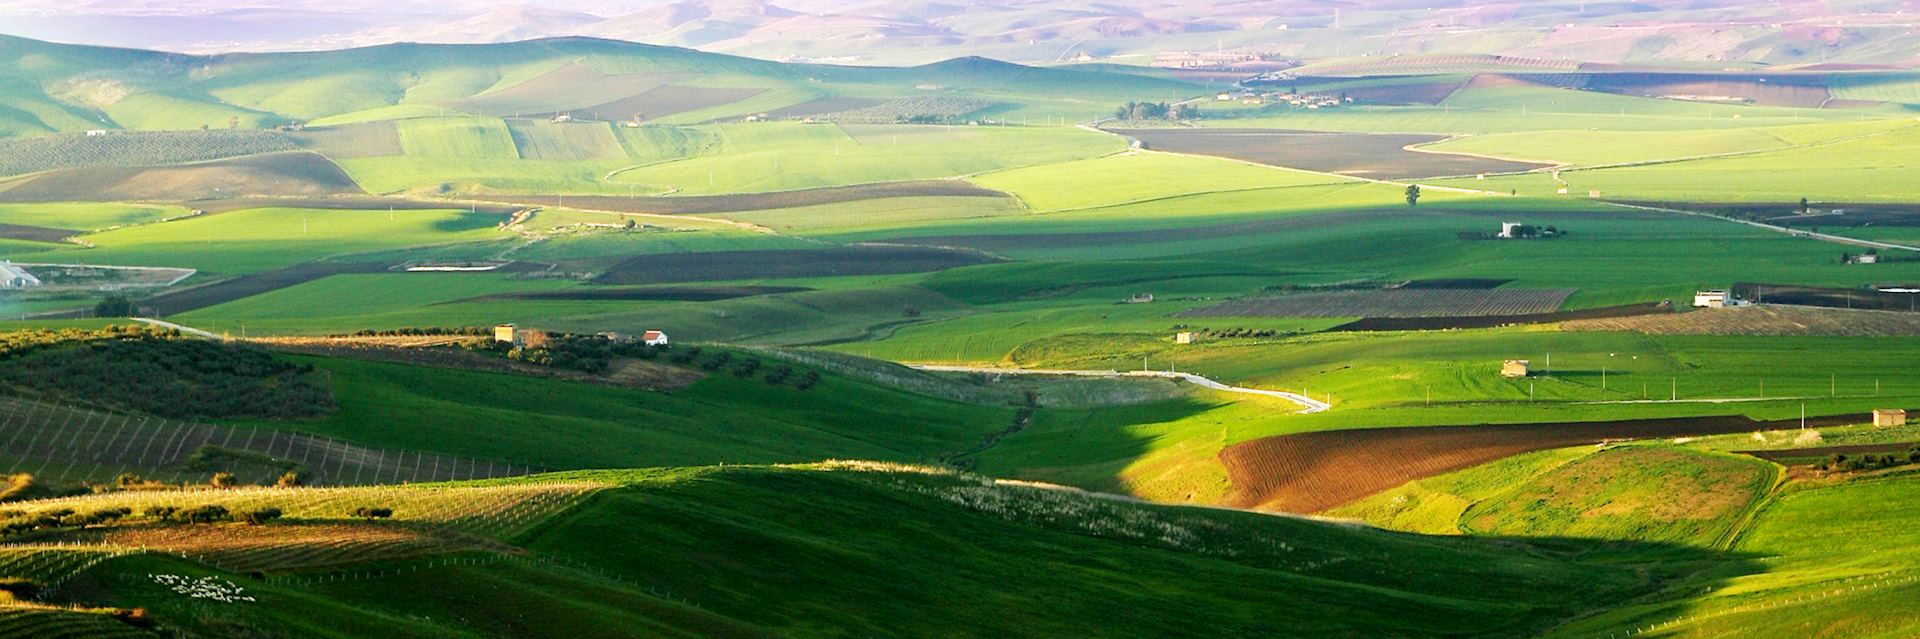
1413,195
1803,206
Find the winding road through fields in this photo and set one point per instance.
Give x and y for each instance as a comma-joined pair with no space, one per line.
1307,404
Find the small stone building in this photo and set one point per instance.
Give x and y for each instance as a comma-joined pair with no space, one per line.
1183,337
1884,417
1514,368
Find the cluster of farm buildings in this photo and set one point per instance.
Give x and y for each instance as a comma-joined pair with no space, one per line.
1296,100
510,334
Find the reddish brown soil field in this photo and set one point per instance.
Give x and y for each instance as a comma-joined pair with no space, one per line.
35,233
701,204
1370,155
1311,472
221,292
1845,298
665,101
669,268
302,174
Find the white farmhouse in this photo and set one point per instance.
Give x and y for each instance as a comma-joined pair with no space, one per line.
15,278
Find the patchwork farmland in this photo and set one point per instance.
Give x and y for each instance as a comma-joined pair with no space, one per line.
325,342
1404,302
1366,155
276,175
785,264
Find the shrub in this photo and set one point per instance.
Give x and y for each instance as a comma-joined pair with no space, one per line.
20,589
222,479
207,514
136,617
115,306
290,479
162,512
746,368
371,512
260,516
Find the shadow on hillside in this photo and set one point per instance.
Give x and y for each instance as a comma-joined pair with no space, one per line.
467,221
1672,576
1094,448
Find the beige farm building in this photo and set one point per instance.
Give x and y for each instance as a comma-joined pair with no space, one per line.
505,333
1889,417
1183,337
1514,368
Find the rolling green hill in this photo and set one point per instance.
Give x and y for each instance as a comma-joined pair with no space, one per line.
869,548
49,87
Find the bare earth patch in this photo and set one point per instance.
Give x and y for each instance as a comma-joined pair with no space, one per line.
279,545
1366,155
1311,472
1761,320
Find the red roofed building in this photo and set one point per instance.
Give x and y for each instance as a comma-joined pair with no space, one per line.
654,338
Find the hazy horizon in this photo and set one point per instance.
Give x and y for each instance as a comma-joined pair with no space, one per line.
1031,31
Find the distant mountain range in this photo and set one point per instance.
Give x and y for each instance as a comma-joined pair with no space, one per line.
1797,32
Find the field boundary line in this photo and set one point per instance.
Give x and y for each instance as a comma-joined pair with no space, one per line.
1308,405
1824,237
1571,167
1741,525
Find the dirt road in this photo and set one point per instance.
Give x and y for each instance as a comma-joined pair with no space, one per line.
1307,404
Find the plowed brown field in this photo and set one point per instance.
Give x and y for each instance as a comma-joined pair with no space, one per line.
1311,472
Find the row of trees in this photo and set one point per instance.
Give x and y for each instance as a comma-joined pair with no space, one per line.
746,367
19,523
1870,461
176,378
1143,111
